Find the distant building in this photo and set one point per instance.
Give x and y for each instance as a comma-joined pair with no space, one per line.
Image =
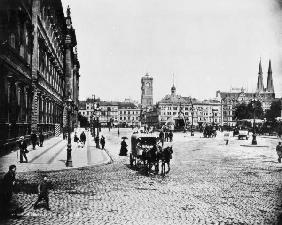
129,114
176,108
234,97
114,113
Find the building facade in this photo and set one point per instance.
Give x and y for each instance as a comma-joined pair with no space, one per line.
129,114
113,113
174,107
34,68
205,112
237,96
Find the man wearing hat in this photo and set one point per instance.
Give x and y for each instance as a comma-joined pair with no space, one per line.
43,193
279,151
23,149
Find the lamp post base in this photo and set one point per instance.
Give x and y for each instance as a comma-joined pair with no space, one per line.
68,163
192,133
69,160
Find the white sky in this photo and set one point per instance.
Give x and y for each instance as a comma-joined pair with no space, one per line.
209,45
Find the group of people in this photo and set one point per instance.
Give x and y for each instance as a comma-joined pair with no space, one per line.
165,136
34,142
80,140
9,205
99,141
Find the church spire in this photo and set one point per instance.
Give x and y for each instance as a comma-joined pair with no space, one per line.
269,86
260,87
173,89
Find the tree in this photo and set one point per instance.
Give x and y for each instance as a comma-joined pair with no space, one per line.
256,109
274,111
243,111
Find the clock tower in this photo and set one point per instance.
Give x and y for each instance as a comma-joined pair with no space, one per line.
146,91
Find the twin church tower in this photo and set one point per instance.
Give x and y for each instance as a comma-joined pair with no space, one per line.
269,86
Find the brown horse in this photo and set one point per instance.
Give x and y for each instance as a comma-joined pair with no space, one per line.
151,158
166,156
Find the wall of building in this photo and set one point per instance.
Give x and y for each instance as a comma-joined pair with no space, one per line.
32,67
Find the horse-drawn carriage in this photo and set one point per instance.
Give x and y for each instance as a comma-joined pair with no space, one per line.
147,151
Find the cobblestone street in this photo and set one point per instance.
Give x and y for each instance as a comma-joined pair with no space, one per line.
209,183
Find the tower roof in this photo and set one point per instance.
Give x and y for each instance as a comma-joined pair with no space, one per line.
269,86
260,69
269,67
173,89
260,86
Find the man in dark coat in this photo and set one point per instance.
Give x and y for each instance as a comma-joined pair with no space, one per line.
161,136
103,142
83,137
97,141
33,138
75,138
23,150
43,193
41,139
166,136
123,148
170,136
279,151
9,181
9,205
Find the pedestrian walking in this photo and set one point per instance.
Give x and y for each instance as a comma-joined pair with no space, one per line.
161,136
279,151
41,139
8,202
226,138
166,136
97,141
123,148
33,138
43,193
102,142
75,138
83,138
23,149
170,136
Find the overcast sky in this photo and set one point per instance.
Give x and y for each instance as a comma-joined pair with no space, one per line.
209,45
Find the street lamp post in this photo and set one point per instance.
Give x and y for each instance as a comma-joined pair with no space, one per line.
69,108
254,141
93,116
192,113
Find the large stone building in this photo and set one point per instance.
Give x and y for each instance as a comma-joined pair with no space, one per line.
236,96
115,113
39,69
174,108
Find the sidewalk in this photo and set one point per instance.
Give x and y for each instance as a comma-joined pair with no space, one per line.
53,154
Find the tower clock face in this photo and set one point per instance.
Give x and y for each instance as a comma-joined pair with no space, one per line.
147,84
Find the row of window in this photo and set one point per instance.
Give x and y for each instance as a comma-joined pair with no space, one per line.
133,118
49,71
184,108
52,35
